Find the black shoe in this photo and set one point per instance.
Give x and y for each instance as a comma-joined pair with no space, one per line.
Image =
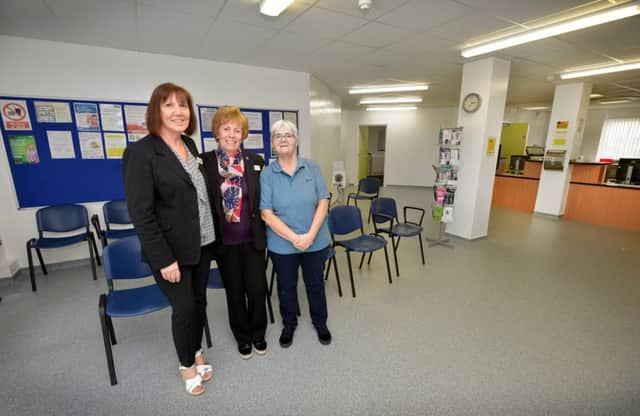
286,338
324,336
260,347
245,351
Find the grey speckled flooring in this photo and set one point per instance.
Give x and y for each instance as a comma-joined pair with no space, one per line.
540,318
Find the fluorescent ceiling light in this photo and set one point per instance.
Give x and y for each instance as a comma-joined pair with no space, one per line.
396,108
535,108
601,70
570,25
624,100
391,100
389,88
596,95
274,7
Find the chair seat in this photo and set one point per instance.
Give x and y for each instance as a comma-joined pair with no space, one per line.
406,230
364,243
356,196
136,301
120,233
54,242
215,282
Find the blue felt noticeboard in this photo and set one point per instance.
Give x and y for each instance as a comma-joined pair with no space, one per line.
259,124
82,175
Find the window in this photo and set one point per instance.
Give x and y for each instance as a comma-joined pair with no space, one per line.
620,138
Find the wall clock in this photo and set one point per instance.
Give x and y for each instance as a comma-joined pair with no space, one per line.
471,102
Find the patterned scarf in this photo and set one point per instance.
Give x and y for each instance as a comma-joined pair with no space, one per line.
231,168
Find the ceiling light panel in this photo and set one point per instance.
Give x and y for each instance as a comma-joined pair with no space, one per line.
390,100
600,70
394,108
388,88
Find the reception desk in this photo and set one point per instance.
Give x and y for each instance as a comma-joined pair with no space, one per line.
517,191
612,205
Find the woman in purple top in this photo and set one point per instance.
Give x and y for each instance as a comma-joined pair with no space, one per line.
235,177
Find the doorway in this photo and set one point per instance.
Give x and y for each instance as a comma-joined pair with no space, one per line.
371,151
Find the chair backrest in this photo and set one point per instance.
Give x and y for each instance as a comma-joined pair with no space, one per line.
344,219
369,185
122,260
62,218
386,206
116,212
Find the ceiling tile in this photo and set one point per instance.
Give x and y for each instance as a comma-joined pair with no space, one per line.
248,11
378,7
523,10
209,8
222,47
421,15
376,35
469,27
325,23
31,19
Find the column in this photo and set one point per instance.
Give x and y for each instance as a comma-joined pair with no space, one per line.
488,78
568,114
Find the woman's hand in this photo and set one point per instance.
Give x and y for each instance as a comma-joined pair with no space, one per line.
303,241
171,273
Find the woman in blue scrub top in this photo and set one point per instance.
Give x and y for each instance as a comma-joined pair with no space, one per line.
293,202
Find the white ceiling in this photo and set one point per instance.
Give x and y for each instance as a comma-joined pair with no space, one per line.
397,40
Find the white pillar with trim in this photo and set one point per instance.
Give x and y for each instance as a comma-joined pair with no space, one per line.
568,117
489,78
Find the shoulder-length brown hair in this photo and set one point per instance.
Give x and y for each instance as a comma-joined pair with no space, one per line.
161,94
228,113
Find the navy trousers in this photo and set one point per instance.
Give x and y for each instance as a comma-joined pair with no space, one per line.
312,264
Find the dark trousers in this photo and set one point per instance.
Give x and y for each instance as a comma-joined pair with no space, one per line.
245,283
312,264
188,300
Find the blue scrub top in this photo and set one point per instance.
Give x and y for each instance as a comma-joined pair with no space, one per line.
294,199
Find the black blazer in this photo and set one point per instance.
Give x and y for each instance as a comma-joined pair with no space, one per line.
253,165
162,202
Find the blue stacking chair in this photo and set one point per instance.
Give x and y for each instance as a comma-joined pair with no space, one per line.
215,282
122,261
368,189
345,220
114,213
385,220
61,219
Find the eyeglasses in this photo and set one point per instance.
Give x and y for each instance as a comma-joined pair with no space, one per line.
286,136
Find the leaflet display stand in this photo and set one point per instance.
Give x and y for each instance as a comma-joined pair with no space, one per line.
444,190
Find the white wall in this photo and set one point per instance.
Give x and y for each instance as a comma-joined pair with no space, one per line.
411,142
51,69
325,112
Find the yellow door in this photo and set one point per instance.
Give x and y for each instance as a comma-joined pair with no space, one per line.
513,140
363,152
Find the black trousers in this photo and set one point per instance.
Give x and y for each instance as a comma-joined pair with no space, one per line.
245,284
188,300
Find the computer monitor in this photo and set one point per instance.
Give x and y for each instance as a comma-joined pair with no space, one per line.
516,163
628,171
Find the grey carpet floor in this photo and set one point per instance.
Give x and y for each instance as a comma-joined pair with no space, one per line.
540,318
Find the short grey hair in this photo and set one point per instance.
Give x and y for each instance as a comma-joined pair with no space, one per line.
284,124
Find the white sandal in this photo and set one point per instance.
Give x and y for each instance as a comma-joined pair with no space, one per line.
204,369
191,384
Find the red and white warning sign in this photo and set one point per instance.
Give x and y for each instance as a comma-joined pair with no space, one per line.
15,115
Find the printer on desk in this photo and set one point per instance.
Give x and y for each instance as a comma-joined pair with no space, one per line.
535,152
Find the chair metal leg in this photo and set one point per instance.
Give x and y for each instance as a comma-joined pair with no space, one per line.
326,274
95,248
335,269
107,343
112,333
395,255
362,260
273,278
370,256
41,260
207,333
353,289
386,258
421,248
32,274
93,260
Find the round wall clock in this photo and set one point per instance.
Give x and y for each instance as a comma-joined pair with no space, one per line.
471,102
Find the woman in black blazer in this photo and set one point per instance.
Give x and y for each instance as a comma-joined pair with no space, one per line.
170,207
235,179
